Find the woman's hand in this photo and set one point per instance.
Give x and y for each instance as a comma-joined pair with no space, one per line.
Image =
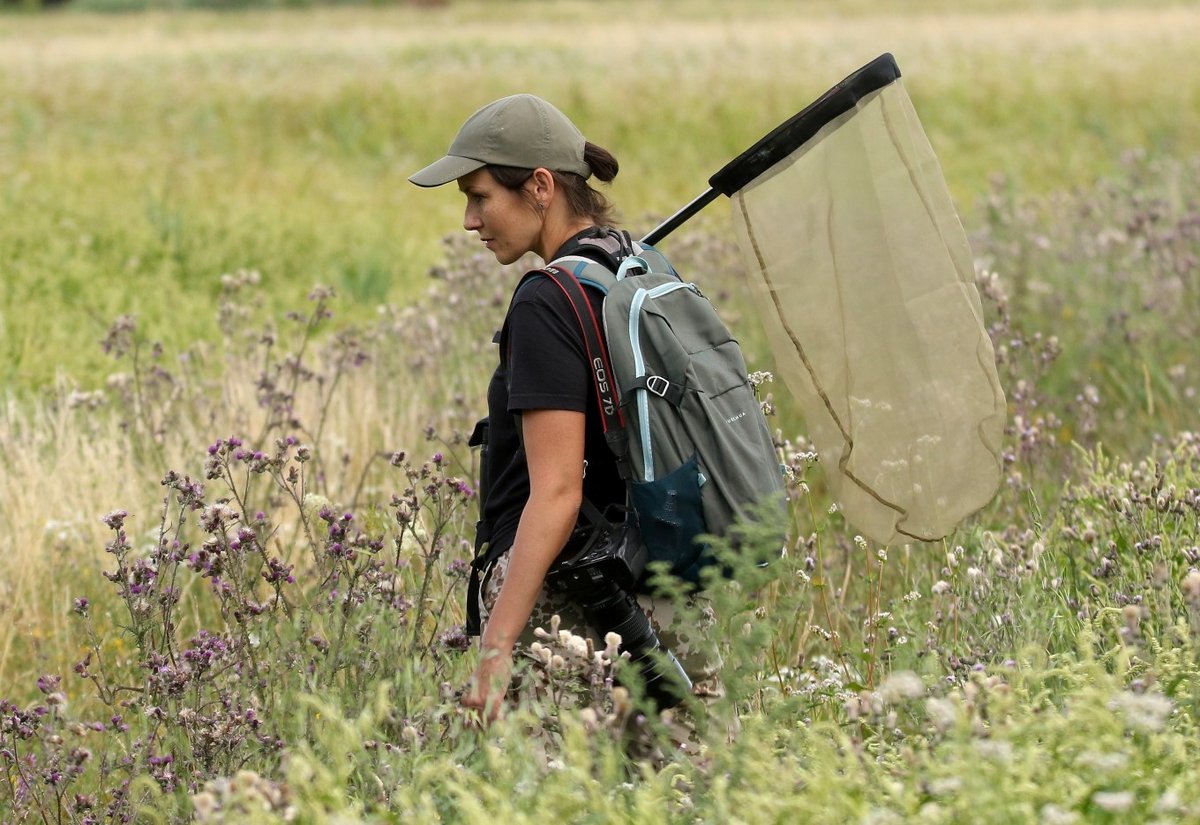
488,685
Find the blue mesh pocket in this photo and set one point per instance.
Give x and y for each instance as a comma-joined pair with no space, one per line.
671,515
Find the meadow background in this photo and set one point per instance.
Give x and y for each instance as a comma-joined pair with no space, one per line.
239,353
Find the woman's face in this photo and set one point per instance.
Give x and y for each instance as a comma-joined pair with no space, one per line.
507,223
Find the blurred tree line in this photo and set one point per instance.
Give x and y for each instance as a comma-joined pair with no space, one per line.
171,5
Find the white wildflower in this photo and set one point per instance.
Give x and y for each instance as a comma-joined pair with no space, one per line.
589,718
577,647
1146,712
542,653
996,750
314,503
245,779
1054,815
942,712
1169,803
204,806
903,684
1115,802
882,816
1191,587
1111,762
944,785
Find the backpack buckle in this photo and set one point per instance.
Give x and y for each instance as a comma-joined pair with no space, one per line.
658,385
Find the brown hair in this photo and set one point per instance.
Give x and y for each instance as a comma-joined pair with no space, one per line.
582,199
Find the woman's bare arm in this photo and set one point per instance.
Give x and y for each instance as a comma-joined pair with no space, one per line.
554,452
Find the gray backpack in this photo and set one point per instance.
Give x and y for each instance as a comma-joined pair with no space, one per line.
680,415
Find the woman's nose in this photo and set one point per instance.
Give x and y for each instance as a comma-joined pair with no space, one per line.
471,220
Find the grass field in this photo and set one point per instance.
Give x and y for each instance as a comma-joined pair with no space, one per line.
147,155
231,565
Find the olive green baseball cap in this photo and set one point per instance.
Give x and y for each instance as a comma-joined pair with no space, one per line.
521,130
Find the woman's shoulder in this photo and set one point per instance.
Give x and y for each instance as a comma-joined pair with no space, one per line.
541,298
536,288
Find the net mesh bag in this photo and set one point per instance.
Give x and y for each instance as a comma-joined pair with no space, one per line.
863,276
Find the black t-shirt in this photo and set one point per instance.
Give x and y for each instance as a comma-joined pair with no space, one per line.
547,368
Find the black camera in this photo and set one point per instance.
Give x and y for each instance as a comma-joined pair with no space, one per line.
601,579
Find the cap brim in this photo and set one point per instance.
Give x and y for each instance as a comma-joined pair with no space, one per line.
445,170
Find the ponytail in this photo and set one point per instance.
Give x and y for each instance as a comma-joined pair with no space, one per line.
582,199
603,165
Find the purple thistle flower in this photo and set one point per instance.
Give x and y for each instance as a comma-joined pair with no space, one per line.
455,639
115,519
277,572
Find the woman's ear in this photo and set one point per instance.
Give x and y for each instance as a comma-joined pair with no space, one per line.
542,186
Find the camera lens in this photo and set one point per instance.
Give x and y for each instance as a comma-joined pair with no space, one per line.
599,580
617,611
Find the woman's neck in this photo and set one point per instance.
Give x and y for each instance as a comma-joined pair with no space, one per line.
555,233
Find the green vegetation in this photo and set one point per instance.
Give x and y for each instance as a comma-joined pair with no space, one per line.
145,156
231,575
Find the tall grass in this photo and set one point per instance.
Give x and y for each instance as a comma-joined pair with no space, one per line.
261,616
235,525
144,156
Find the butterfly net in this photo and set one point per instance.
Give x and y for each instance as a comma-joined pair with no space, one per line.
864,280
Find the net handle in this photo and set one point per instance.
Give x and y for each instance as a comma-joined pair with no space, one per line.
785,139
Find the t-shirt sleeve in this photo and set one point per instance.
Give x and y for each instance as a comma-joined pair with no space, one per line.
547,365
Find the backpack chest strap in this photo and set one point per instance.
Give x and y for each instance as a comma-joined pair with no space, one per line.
659,385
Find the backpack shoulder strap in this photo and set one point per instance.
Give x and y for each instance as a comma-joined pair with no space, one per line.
594,345
587,272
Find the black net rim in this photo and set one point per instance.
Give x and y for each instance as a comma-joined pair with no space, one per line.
801,127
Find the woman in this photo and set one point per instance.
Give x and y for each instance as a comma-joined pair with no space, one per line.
523,167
